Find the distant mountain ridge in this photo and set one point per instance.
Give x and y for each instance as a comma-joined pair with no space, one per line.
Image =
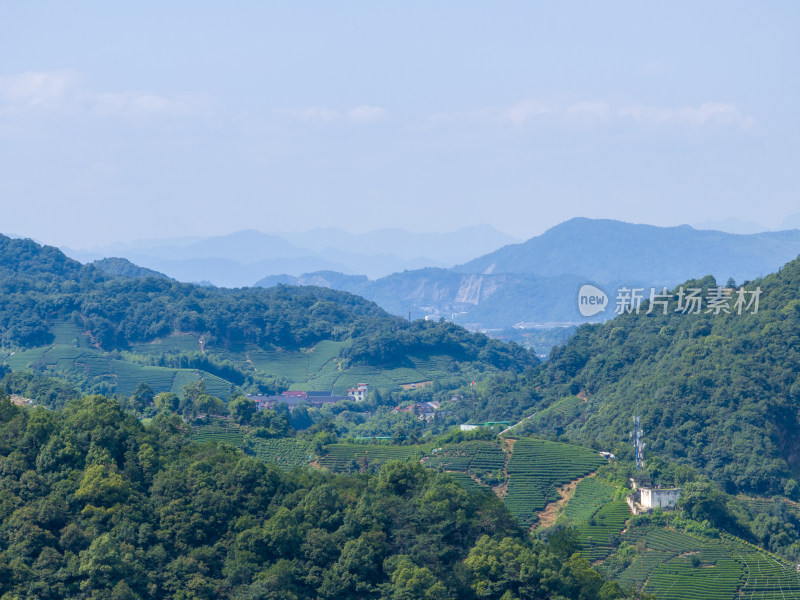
241,258
608,250
537,281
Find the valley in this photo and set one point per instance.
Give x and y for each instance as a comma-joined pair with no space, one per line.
544,444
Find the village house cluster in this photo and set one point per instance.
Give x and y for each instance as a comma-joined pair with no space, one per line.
294,398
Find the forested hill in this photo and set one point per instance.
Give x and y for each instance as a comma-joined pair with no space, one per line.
41,288
29,263
93,504
124,269
719,392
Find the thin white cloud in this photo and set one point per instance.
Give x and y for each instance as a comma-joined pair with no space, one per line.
532,112
366,114
320,114
64,90
145,104
519,113
595,110
706,113
36,89
481,115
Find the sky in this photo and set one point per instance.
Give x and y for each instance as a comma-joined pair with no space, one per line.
121,121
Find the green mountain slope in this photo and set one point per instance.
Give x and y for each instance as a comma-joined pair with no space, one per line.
719,392
108,333
124,269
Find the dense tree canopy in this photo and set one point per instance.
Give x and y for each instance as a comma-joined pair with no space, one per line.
40,287
719,392
95,505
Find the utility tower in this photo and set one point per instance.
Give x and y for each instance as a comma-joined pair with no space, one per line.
638,444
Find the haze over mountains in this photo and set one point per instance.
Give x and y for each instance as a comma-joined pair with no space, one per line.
494,285
734,225
537,281
241,258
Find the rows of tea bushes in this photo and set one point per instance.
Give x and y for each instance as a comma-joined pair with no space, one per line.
476,455
215,433
537,468
591,493
469,483
344,457
286,453
597,536
674,565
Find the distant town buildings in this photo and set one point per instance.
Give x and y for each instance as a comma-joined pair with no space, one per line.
422,410
294,398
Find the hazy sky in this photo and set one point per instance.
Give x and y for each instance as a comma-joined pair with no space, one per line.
149,119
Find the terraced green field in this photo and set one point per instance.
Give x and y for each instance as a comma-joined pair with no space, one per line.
286,453
119,376
468,456
596,536
173,343
681,579
469,483
670,565
590,494
679,566
637,573
213,433
319,368
316,368
69,334
347,458
768,577
537,468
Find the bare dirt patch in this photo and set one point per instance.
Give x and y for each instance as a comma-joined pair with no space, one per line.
501,490
551,512
20,400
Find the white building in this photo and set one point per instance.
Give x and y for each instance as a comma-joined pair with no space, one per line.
358,393
663,498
